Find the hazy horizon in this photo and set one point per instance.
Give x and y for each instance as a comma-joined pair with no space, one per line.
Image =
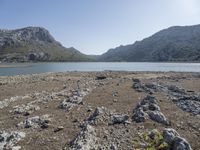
93,26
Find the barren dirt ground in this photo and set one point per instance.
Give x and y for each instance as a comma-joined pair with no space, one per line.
94,110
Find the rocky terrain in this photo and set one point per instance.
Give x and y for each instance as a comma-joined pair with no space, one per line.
178,43
32,44
100,111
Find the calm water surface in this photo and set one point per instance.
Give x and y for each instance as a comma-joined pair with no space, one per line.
31,68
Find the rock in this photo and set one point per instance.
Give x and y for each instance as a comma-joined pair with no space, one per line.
113,147
148,108
89,109
114,94
136,80
176,89
8,140
100,77
74,100
25,109
152,134
105,116
99,111
85,140
115,100
141,87
35,122
174,140
139,115
148,100
169,135
180,144
158,117
16,147
6,102
119,118
59,128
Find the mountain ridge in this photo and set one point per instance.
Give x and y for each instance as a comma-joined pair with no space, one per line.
35,44
176,43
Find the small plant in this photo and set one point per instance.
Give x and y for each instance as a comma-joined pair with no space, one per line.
150,141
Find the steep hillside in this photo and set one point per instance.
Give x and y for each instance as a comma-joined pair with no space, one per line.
178,43
34,44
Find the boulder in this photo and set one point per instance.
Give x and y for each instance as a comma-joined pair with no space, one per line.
180,144
158,117
119,118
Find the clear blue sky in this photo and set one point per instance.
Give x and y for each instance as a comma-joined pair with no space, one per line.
94,26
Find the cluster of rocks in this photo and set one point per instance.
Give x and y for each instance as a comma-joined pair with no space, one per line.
35,122
6,102
103,115
25,109
42,97
74,99
189,102
8,140
149,108
142,87
85,140
170,137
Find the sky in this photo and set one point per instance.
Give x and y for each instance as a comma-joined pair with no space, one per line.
94,26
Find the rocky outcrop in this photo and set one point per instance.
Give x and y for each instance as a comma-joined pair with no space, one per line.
85,140
148,108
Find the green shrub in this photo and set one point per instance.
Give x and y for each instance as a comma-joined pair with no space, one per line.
150,141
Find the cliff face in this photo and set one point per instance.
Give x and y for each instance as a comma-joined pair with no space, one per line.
172,44
34,44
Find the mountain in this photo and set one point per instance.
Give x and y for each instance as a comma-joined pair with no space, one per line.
34,44
178,43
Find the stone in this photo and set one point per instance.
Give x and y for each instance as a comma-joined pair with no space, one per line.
153,134
35,122
169,135
99,111
136,80
85,140
59,128
100,77
119,118
158,117
175,142
25,109
8,140
181,144
75,99
115,100
139,115
16,147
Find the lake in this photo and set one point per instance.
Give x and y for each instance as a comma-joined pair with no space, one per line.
32,68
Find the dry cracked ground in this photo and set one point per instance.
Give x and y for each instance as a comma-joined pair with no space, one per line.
100,111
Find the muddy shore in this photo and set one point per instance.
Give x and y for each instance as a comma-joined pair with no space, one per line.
99,110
